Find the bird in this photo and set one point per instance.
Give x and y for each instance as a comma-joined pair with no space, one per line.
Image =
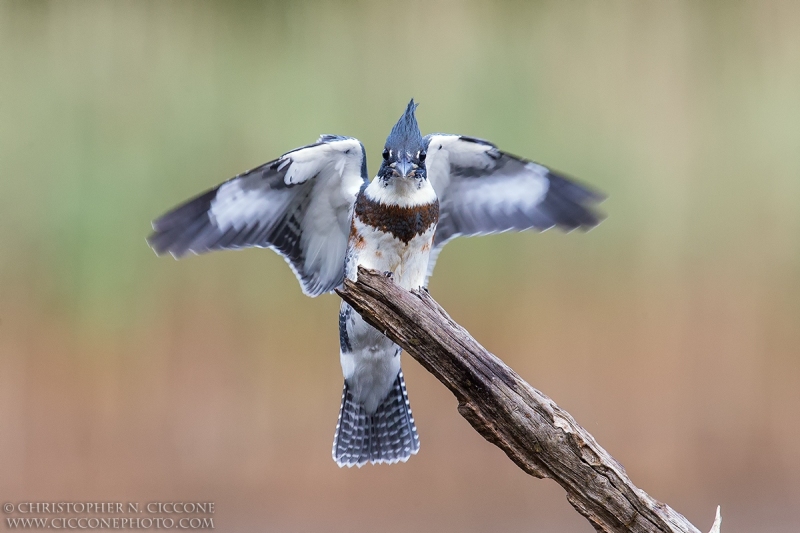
316,206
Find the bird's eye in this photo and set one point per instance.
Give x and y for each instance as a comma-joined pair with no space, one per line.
386,154
422,156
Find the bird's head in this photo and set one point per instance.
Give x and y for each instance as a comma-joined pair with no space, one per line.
404,152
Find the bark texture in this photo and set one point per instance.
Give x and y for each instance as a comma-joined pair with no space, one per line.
540,437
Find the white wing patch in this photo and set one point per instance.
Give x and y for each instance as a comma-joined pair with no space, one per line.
306,163
445,151
502,194
326,225
237,207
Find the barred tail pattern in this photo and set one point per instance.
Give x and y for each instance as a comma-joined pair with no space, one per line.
386,436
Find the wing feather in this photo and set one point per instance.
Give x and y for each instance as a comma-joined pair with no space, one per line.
299,205
484,190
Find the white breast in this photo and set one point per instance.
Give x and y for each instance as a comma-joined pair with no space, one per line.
372,248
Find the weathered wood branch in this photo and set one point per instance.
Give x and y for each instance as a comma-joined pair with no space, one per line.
535,433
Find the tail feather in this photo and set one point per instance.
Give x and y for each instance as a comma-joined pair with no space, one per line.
386,436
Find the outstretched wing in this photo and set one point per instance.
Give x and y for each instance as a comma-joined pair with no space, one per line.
300,205
483,190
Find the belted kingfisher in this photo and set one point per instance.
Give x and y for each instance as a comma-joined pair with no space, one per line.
316,206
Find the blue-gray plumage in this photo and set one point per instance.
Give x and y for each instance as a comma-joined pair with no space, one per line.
316,207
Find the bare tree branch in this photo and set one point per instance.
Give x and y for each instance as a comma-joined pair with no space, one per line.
540,437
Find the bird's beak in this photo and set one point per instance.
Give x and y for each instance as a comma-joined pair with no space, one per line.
404,167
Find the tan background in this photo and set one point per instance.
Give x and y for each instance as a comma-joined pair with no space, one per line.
672,332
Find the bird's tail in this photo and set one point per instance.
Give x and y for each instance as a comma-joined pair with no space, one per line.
386,436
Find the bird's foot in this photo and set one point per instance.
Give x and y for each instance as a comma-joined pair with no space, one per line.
388,274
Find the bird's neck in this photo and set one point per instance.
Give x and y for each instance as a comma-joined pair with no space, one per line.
401,192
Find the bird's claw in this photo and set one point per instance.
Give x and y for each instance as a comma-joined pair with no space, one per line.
388,274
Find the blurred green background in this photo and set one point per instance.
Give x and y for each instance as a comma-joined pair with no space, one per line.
671,332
